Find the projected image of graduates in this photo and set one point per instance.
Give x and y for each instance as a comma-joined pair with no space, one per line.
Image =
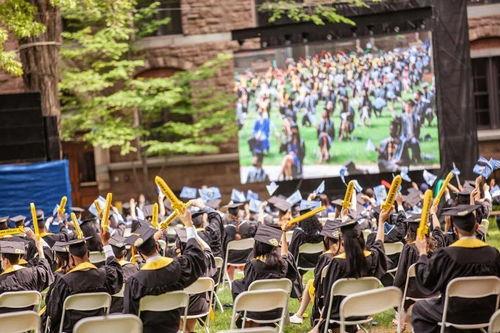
365,104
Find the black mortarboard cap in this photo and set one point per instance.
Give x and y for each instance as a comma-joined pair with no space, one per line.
141,235
147,210
413,198
331,229
413,218
469,186
18,219
9,247
117,241
60,247
463,216
347,223
268,235
280,203
4,219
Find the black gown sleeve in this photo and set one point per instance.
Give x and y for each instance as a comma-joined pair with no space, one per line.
56,295
296,241
114,275
407,258
379,262
430,272
192,263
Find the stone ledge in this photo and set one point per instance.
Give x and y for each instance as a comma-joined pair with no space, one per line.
170,161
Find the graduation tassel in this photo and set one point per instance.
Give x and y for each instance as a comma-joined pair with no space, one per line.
423,227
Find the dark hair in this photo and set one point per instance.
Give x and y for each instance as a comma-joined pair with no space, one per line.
89,230
311,226
270,253
79,250
354,246
198,221
119,252
62,259
148,248
411,232
328,242
12,257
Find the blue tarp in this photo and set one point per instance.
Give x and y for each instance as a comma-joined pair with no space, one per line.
42,183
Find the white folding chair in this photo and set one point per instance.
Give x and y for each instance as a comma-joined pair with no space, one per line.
282,284
260,301
166,302
346,287
20,299
494,326
120,323
219,264
202,285
483,227
22,321
85,302
390,249
368,303
411,274
309,248
96,257
469,287
251,330
236,245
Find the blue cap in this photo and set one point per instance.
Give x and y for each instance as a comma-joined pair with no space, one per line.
294,198
188,193
237,196
252,195
210,193
254,205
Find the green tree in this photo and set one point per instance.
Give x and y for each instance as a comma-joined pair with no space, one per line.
106,105
318,12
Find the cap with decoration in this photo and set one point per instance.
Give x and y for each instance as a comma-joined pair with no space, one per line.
331,229
279,203
251,195
295,198
254,206
238,196
117,241
306,205
8,247
18,219
268,235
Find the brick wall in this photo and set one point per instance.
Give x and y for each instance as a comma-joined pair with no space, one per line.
211,16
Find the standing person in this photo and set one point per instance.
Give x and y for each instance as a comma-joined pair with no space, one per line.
261,132
468,256
257,174
83,277
326,135
410,133
291,166
162,274
16,277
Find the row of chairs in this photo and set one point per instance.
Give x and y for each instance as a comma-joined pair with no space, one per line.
363,297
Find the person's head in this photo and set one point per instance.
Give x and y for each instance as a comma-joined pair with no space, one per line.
200,220
62,260
11,253
78,253
149,248
311,226
332,244
257,160
464,219
325,201
409,106
354,246
89,229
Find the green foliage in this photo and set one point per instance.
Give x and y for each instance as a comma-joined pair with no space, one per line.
317,12
18,18
102,100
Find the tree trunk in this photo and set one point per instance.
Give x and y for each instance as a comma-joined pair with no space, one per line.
40,58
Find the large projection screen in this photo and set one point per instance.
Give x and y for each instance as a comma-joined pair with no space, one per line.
365,104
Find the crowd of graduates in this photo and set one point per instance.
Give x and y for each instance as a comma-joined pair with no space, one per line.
350,86
142,256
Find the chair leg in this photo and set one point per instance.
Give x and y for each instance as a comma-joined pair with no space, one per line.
218,302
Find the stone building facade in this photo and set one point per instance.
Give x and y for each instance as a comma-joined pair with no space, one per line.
206,31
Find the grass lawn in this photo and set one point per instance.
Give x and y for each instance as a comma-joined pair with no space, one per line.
222,320
342,151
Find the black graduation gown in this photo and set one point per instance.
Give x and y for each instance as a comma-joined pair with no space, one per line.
324,260
232,231
84,278
214,235
37,277
158,277
199,303
376,266
299,237
128,269
257,269
466,257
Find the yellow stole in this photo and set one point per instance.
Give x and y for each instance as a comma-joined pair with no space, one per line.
12,269
342,255
158,263
84,266
471,243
